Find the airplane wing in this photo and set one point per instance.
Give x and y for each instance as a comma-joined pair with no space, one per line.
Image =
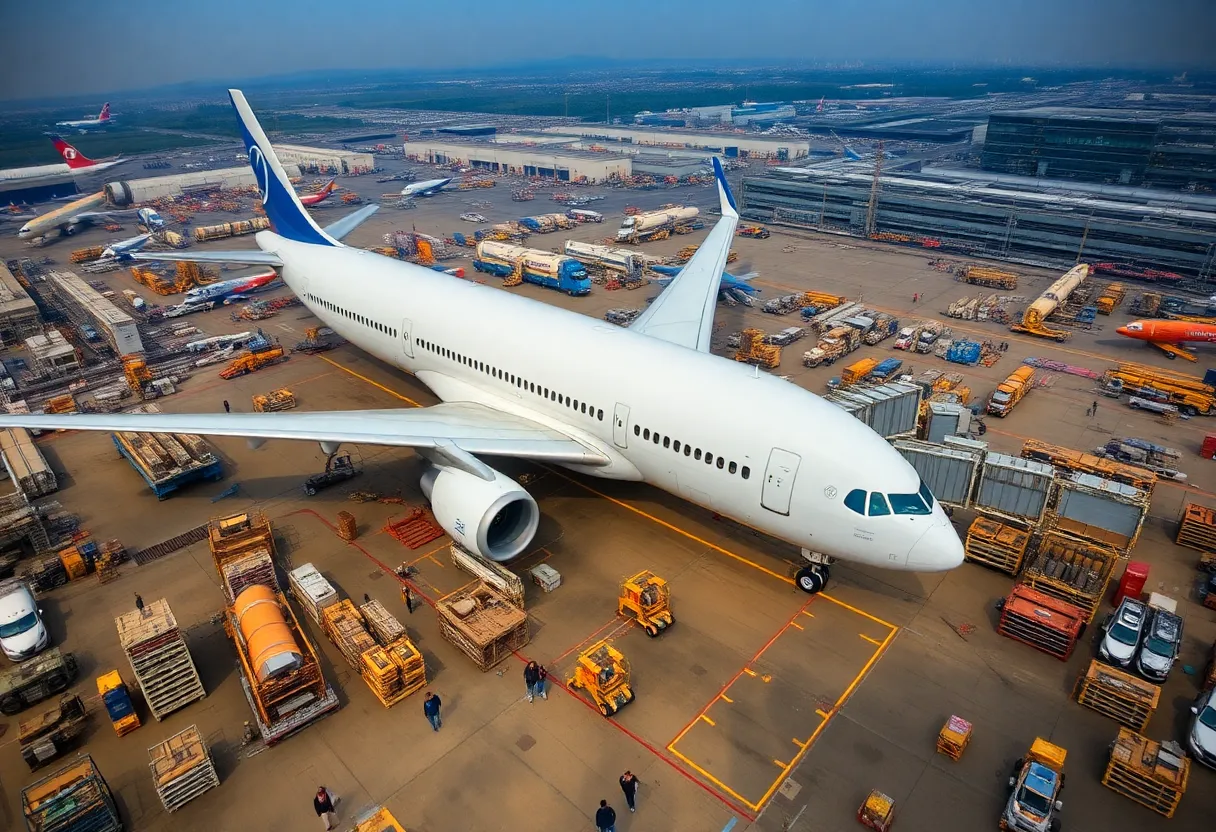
347,224
99,216
250,257
454,431
684,313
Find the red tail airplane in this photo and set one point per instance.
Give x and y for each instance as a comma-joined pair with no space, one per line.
308,200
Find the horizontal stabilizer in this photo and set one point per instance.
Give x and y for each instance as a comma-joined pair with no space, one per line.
251,257
347,224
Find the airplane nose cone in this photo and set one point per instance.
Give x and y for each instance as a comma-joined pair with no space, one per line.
938,550
1122,330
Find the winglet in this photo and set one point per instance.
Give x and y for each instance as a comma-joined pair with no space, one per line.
729,209
284,209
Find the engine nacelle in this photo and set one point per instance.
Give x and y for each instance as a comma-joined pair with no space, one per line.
495,519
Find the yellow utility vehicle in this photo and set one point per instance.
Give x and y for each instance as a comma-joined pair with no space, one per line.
647,598
603,672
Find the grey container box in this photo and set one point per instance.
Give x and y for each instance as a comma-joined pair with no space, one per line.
1014,487
947,420
889,409
950,473
1100,509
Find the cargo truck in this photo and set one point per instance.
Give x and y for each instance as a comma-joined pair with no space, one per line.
929,333
553,271
1034,790
656,225
858,370
886,368
884,327
1010,391
836,343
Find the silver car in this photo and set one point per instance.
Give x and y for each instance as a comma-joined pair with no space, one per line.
1159,650
1122,632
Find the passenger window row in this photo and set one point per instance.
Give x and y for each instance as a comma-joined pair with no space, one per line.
590,411
877,504
695,453
359,319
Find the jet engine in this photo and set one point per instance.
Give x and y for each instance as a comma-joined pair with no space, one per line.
495,519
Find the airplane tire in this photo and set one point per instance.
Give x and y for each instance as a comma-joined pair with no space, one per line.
812,579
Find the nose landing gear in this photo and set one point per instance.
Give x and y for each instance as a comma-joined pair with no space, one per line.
812,578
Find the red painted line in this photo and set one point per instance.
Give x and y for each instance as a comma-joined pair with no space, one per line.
615,620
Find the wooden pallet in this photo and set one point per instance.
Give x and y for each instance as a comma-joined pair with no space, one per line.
416,529
168,547
996,544
182,769
1045,623
953,738
1198,528
1118,695
1076,572
1139,769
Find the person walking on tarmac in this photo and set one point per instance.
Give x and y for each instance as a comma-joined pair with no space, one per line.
629,785
227,407
531,678
323,804
430,707
605,817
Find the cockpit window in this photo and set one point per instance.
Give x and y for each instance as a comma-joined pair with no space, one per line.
878,505
856,500
926,494
1136,327
908,504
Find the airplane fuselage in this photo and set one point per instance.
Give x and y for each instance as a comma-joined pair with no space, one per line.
1169,332
719,434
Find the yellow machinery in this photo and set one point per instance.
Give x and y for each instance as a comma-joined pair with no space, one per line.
60,404
647,598
253,361
753,350
281,399
1035,317
137,373
603,672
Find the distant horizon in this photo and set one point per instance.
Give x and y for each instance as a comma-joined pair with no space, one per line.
76,48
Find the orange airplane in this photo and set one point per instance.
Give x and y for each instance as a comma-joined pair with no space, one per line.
1167,335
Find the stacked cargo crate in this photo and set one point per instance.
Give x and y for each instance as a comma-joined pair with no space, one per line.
182,769
392,667
1043,622
1147,772
1198,531
244,571
1122,697
232,536
494,574
159,657
483,623
73,799
1074,571
996,544
312,591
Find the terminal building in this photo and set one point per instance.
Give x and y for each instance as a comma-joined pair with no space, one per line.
1123,147
1002,217
19,316
747,145
84,304
750,113
325,160
555,162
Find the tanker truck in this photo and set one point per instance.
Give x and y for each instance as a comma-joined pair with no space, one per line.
604,257
1034,318
656,225
553,271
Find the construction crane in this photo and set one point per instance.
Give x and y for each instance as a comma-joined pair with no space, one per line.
872,208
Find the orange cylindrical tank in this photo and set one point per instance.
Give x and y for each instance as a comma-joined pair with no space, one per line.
272,648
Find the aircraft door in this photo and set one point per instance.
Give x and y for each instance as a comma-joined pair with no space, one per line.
779,481
407,341
620,425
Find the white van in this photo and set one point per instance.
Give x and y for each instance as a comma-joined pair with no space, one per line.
22,633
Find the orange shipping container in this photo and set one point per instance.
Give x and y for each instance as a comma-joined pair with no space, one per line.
272,649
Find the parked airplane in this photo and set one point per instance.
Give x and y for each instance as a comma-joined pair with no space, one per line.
309,200
428,188
734,288
227,291
649,403
103,120
74,163
123,249
69,218
1168,336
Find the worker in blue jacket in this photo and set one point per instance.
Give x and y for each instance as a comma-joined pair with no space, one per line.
430,707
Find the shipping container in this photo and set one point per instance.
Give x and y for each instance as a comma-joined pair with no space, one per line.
946,419
1014,487
889,409
950,473
1099,509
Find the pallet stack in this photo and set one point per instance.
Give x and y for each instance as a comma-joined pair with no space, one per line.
344,626
483,623
244,571
393,672
953,738
383,624
494,574
1074,571
182,769
1045,623
1152,774
1198,531
1122,697
312,591
348,529
159,658
393,667
996,544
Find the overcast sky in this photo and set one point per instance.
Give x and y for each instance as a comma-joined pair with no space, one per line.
68,47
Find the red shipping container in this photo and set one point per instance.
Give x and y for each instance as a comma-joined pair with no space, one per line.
1208,449
1131,585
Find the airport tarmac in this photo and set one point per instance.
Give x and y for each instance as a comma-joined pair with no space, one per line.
761,705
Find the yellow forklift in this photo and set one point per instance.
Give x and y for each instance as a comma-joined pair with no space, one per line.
647,598
603,672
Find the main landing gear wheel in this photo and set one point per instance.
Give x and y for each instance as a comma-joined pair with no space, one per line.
812,579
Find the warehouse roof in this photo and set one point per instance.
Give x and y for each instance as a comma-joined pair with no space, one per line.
14,300
1108,114
90,299
542,151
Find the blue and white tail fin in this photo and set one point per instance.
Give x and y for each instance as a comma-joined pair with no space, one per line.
725,197
283,208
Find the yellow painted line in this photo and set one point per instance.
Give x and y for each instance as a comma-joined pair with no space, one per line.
823,713
799,744
711,778
882,648
808,614
871,640
726,698
854,609
749,672
707,719
796,624
431,558
780,764
369,381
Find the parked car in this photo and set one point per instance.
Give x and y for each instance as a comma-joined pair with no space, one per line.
1202,736
22,633
1122,632
1159,651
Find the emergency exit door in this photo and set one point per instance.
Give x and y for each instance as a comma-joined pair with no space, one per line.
407,339
620,424
779,481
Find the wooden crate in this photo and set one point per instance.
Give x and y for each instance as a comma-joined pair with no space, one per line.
1141,770
483,623
182,769
953,738
159,658
232,536
996,544
1122,697
877,812
1074,571
1198,528
383,624
494,574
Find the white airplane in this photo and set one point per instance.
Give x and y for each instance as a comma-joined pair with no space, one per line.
123,249
71,217
74,163
428,188
649,403
104,119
